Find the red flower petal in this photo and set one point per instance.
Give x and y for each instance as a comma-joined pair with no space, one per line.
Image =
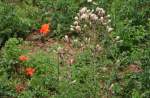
30,71
44,29
23,58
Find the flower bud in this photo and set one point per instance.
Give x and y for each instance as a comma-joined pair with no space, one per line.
117,37
84,16
78,28
89,1
71,29
93,17
83,10
75,23
110,29
76,18
108,16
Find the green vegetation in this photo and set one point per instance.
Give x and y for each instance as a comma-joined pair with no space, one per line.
75,49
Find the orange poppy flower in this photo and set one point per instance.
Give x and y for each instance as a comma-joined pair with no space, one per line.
44,29
29,71
23,58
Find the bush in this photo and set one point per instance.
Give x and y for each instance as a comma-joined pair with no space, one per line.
18,20
34,76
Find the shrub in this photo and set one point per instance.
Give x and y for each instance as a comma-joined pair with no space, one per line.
35,75
18,20
11,51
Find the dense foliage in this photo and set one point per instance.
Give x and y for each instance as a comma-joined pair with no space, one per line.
110,58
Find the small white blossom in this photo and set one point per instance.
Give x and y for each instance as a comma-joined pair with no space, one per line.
76,18
81,45
74,81
71,61
104,23
99,9
120,41
92,10
103,11
89,0
109,21
118,61
75,40
86,39
78,14
93,17
83,10
85,26
108,16
110,29
90,23
117,37
78,28
102,19
94,3
88,11
104,68
55,51
71,29
111,88
66,37
98,48
89,39
84,16
71,26
76,23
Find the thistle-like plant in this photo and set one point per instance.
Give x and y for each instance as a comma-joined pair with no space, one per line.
92,24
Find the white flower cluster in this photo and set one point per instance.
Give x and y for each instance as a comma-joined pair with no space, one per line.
89,0
97,16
